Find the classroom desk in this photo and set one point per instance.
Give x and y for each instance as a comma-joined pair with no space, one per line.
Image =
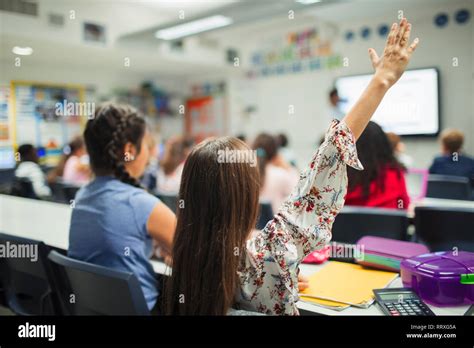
49,222
438,203
307,270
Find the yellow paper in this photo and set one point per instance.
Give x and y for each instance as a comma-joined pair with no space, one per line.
324,303
346,283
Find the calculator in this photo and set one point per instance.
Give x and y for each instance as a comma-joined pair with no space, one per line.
401,302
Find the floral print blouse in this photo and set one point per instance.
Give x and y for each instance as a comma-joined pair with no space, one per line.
269,272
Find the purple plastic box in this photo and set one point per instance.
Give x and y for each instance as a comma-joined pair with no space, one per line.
436,277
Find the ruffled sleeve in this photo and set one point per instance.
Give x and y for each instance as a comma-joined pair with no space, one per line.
303,224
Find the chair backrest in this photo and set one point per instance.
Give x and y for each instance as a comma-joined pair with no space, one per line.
87,289
63,192
265,214
352,223
26,276
7,176
448,187
170,201
70,192
22,187
443,228
417,183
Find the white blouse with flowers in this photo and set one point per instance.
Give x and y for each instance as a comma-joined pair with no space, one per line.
269,272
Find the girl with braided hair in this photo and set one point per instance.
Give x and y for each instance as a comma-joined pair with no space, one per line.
114,220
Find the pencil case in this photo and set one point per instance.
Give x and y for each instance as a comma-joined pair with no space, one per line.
386,254
443,278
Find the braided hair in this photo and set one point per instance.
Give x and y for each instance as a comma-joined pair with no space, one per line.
106,134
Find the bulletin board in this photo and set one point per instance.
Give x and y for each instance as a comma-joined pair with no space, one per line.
34,115
7,156
206,117
5,126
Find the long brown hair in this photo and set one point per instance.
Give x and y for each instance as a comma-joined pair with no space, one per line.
376,155
220,209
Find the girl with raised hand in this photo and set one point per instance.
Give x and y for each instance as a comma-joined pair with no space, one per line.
218,264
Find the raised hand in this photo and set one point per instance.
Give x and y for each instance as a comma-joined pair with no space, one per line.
396,55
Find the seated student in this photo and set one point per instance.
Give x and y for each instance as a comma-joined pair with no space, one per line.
29,169
76,149
115,220
76,167
171,166
398,148
218,264
382,183
284,149
453,161
148,179
277,176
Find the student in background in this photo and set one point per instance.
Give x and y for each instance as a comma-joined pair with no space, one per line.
115,220
284,149
382,183
29,169
334,111
242,137
75,148
399,150
76,168
148,179
278,177
453,161
171,166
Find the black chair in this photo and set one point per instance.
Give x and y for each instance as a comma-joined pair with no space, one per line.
63,192
7,176
169,200
22,187
448,187
87,289
26,278
265,214
3,302
70,192
353,223
443,228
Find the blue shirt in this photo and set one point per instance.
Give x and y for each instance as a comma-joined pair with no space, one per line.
446,165
108,228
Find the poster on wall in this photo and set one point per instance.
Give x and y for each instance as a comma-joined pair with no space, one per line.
205,117
37,118
309,49
4,119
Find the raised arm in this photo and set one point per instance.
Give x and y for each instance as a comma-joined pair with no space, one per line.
388,69
303,223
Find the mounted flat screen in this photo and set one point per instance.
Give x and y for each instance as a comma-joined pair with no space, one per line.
411,106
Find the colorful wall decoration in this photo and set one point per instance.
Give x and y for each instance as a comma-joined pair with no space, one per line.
35,118
205,117
440,20
149,99
297,52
